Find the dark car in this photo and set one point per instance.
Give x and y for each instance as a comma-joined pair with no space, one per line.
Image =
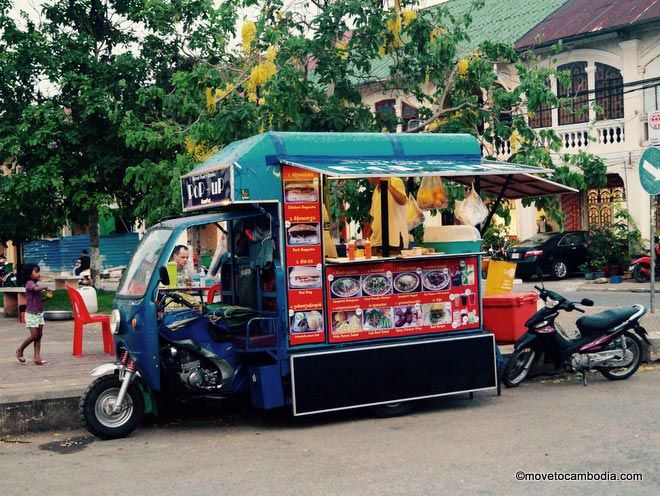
557,254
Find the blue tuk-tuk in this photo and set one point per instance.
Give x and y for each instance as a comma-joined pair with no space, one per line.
273,309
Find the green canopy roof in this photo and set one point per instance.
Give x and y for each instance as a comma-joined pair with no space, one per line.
256,161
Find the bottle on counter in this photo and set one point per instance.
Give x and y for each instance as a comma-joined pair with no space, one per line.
367,249
350,250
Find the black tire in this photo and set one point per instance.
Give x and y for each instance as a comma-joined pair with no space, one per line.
637,274
559,270
392,410
635,346
95,401
518,366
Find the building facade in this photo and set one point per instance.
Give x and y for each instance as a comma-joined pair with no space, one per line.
614,59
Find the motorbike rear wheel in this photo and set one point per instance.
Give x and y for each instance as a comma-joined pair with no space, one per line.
638,274
620,373
96,405
518,366
392,410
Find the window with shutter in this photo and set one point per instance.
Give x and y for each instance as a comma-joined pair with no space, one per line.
609,92
576,110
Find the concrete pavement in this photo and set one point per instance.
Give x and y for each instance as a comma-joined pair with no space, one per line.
446,446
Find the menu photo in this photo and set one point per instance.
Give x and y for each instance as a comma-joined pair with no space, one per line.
305,277
301,191
306,321
303,234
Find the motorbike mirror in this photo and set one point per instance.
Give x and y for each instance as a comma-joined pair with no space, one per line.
587,302
164,275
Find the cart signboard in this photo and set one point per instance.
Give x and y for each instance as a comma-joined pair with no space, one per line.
206,189
649,170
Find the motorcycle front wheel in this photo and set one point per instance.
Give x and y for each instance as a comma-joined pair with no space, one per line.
518,366
97,403
633,351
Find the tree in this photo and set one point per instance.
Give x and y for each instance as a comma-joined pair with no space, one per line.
68,82
303,71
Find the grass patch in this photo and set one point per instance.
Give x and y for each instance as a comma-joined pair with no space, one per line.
60,301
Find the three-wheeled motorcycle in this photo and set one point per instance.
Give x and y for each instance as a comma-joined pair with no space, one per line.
279,316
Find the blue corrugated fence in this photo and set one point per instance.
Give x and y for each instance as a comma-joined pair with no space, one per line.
55,255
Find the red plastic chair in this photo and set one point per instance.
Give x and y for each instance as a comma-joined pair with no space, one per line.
210,297
82,317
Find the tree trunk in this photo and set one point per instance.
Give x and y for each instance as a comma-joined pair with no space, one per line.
94,252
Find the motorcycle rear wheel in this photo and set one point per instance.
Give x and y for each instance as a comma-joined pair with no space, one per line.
638,275
518,366
96,408
621,373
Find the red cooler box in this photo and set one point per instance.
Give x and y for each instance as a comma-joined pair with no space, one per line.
505,315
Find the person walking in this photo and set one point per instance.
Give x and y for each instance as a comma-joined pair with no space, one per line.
34,314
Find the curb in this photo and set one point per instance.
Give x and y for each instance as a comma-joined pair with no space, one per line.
606,288
39,415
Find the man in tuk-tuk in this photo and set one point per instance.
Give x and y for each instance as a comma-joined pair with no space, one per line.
180,256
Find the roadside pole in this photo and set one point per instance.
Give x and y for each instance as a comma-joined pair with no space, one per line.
649,177
652,253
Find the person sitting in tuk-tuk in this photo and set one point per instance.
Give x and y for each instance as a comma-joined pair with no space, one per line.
397,220
180,258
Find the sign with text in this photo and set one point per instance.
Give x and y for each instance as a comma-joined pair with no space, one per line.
654,127
206,189
304,255
369,301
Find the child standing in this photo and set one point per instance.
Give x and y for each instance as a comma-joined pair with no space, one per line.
34,314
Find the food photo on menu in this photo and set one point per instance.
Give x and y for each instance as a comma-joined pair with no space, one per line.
303,234
346,322
308,321
376,319
407,316
437,313
407,282
345,287
301,191
436,280
305,277
376,285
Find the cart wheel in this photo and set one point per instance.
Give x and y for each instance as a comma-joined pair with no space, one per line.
392,410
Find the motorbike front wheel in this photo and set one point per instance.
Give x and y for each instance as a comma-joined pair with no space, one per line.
634,348
97,403
518,366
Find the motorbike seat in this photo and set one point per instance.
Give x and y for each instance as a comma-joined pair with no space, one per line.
606,320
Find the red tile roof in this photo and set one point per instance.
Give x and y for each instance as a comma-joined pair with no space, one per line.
589,17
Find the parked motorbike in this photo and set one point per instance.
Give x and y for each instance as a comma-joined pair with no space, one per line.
609,341
641,267
8,277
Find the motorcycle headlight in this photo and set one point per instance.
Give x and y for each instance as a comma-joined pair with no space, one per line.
550,303
115,320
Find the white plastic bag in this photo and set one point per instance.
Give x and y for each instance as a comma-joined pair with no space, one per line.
414,214
472,210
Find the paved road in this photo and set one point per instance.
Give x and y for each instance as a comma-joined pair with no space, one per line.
447,446
569,288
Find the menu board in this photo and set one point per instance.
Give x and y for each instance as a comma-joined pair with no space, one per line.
304,255
399,298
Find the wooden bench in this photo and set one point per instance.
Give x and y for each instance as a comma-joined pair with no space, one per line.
61,281
12,298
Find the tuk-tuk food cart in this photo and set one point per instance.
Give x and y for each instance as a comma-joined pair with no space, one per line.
319,333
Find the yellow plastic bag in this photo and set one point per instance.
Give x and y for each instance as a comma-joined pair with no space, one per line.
414,215
431,194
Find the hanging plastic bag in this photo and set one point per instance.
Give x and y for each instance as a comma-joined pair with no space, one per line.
414,215
472,210
431,194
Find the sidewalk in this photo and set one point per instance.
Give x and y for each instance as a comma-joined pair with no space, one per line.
624,287
40,397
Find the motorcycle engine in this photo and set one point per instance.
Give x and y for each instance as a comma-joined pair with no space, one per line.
196,374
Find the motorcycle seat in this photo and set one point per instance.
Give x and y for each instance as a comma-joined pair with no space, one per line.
606,320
